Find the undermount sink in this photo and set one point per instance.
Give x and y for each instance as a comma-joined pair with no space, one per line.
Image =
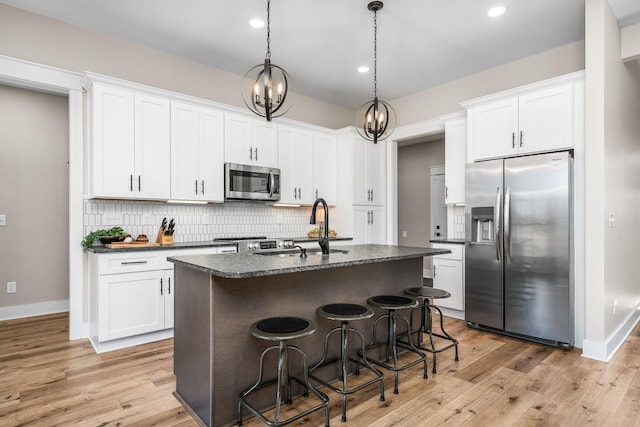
296,252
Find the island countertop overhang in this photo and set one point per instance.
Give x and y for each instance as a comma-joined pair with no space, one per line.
247,265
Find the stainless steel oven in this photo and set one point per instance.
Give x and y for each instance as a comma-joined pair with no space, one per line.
247,182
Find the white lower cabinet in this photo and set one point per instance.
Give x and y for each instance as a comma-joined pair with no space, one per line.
131,296
448,275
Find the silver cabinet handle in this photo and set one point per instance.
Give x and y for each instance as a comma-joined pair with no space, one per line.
202,187
300,193
272,183
131,182
372,198
139,184
371,217
196,186
434,271
520,138
160,286
316,193
446,191
496,222
507,223
513,140
169,280
256,149
224,251
133,262
250,153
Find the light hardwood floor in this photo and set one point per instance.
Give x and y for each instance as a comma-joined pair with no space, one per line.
46,380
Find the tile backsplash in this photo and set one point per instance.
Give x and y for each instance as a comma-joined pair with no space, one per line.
196,223
458,222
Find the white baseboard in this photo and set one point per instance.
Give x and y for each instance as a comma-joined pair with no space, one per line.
36,309
101,347
605,350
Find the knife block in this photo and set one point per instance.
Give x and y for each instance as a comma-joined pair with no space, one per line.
163,239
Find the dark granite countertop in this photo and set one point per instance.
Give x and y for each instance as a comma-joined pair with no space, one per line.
185,245
450,241
247,265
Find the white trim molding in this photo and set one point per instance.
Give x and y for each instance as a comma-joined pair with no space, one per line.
43,78
35,309
605,350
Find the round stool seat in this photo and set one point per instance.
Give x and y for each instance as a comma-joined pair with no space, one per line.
392,302
426,292
344,312
282,328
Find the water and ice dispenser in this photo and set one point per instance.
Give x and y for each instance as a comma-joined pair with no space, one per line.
482,225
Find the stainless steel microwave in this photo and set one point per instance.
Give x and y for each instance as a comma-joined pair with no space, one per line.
247,182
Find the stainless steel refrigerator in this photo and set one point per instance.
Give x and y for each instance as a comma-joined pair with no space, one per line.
519,256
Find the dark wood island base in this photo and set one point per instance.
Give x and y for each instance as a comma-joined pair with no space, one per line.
215,356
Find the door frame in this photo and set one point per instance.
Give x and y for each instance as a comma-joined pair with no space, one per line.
42,78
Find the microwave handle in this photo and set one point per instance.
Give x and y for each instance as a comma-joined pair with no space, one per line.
272,183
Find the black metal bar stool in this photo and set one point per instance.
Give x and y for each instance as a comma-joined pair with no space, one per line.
345,313
283,329
393,303
425,294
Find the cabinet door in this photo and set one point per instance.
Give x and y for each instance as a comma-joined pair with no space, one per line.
184,152
265,144
324,165
294,161
361,222
168,290
447,275
112,142
377,172
361,194
152,148
546,120
455,158
378,227
211,157
130,304
493,129
238,135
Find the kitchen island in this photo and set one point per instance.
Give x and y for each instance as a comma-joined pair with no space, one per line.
218,297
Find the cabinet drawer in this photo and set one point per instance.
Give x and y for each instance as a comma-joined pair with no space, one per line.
129,262
457,251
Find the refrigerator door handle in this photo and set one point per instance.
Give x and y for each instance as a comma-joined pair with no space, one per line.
507,223
496,228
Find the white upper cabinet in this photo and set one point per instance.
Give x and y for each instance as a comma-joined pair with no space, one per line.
295,163
369,172
455,157
197,153
325,173
369,225
534,121
129,149
249,141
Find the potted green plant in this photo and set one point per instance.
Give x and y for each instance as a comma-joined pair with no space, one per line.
112,234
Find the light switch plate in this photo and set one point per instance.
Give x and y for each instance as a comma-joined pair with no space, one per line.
3,220
11,287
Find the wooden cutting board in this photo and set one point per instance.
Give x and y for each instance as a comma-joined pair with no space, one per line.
120,245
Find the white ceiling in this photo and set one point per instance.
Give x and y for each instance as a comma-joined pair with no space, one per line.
421,43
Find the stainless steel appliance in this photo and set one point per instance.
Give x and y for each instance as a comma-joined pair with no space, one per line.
248,182
256,243
519,256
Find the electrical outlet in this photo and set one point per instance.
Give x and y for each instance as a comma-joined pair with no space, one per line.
404,234
112,219
11,287
3,220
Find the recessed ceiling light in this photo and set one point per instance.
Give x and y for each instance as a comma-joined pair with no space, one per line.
256,23
363,69
496,11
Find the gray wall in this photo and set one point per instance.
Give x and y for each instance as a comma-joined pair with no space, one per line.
34,195
414,192
44,40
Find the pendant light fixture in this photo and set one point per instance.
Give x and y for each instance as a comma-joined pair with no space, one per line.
379,119
267,88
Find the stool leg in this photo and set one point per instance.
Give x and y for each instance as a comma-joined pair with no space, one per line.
394,347
429,325
367,364
414,348
283,378
344,339
449,337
